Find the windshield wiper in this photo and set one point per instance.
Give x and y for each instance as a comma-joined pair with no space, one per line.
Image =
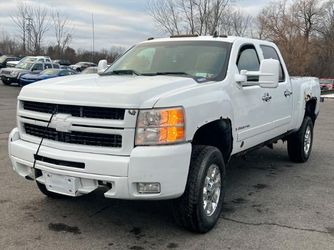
168,73
122,72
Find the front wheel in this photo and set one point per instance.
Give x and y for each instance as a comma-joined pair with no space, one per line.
300,142
199,208
5,82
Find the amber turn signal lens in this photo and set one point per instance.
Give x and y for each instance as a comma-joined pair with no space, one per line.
160,126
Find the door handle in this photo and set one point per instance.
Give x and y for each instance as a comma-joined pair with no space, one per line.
287,93
266,97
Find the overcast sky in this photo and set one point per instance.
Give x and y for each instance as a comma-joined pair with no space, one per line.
117,22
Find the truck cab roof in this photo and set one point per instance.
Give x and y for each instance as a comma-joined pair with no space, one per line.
227,39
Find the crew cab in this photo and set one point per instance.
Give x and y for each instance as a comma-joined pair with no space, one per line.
162,122
33,65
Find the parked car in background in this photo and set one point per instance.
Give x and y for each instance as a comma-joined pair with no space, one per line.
326,84
45,59
90,70
80,66
13,75
64,62
45,74
5,59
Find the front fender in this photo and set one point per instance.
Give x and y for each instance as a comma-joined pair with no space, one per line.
203,104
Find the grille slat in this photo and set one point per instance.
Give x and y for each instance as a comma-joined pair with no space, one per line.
76,111
75,137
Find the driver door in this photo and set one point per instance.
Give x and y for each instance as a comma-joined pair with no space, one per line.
252,113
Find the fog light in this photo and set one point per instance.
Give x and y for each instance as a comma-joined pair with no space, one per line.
148,188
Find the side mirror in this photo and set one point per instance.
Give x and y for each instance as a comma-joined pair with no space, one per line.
102,66
268,75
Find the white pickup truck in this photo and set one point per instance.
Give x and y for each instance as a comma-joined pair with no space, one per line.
162,122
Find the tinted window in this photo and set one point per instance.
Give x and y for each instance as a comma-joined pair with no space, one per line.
41,60
199,59
48,66
270,53
249,60
56,66
38,66
64,73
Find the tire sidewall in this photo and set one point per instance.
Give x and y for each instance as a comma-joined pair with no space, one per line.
208,222
306,123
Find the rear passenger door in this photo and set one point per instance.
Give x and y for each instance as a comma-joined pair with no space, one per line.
281,101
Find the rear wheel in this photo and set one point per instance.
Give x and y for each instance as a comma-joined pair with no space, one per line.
300,142
199,208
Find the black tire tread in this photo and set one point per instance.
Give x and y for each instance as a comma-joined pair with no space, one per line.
296,144
185,208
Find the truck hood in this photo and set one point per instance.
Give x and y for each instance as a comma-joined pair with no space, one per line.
106,91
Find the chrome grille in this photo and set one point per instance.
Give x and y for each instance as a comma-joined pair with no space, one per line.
75,137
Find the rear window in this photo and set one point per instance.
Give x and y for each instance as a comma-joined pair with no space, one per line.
270,53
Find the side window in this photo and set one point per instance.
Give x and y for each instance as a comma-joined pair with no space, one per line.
56,66
41,60
37,66
248,60
270,53
47,66
64,73
48,60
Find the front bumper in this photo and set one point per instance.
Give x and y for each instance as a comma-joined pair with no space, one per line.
167,165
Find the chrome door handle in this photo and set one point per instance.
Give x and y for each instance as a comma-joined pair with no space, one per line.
287,93
266,97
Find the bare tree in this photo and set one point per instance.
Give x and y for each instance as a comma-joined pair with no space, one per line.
308,16
188,16
40,25
20,20
62,32
235,22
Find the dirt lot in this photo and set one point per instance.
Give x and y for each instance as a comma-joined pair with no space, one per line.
271,203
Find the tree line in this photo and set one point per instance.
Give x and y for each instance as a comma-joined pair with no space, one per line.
33,22
302,29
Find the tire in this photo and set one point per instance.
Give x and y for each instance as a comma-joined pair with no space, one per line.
49,194
300,142
5,82
189,210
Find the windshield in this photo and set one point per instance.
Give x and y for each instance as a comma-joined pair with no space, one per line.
198,59
24,65
49,72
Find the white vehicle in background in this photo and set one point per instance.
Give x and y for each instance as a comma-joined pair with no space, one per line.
162,122
43,59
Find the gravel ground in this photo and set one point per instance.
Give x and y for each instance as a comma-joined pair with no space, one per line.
271,203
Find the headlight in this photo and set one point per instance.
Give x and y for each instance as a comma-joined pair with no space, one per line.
13,73
160,126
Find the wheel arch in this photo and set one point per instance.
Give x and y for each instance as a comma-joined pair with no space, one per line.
310,107
217,133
